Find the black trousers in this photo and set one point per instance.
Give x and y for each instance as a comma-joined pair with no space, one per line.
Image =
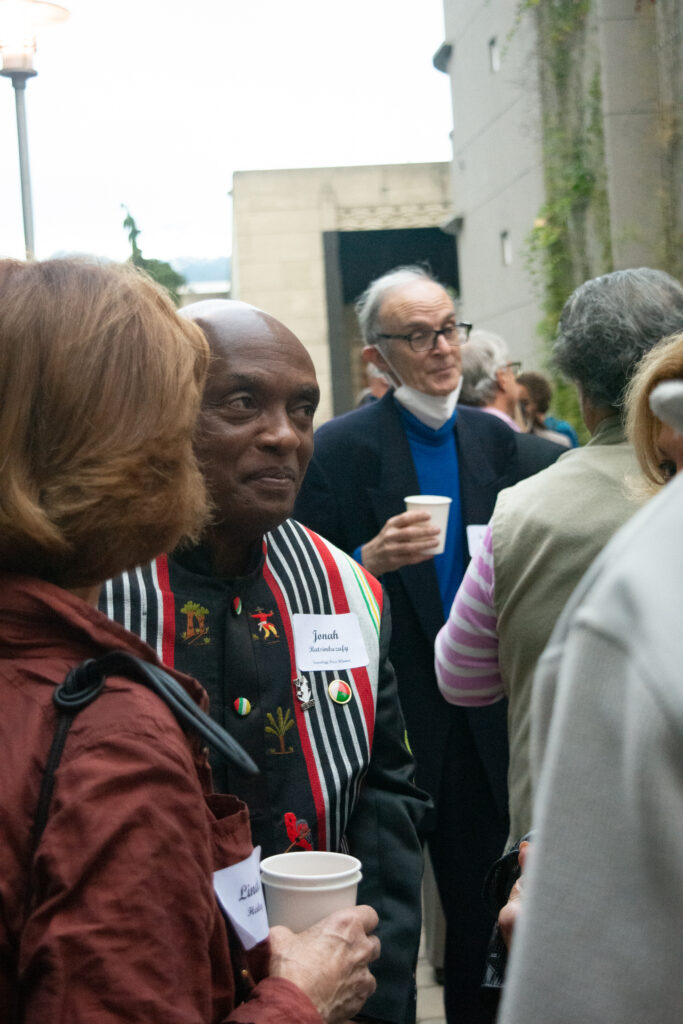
470,833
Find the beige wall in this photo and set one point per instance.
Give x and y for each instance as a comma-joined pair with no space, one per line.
497,158
630,92
497,165
278,221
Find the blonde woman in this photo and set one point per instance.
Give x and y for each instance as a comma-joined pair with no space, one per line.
658,446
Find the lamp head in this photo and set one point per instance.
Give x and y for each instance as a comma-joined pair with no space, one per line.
19,22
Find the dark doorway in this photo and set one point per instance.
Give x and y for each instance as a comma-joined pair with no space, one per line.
352,260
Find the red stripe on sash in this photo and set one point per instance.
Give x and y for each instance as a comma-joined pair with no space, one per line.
311,767
168,612
375,586
341,606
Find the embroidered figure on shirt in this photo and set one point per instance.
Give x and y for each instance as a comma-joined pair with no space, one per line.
266,630
280,727
197,631
298,831
304,692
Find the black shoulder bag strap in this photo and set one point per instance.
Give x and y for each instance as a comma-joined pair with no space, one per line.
83,684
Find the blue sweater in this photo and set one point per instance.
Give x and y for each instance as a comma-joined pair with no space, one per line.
436,463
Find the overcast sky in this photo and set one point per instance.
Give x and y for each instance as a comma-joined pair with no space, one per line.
154,103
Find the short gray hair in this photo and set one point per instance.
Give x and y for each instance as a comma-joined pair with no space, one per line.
370,302
482,355
609,323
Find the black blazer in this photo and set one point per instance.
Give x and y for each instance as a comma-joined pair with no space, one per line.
533,457
359,475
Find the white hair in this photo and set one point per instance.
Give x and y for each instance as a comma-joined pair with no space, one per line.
482,356
370,302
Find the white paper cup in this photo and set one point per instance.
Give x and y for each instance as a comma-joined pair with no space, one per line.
438,508
303,887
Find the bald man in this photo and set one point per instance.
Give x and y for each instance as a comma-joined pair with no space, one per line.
290,637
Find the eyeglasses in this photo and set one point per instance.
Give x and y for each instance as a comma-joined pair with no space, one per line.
514,367
422,341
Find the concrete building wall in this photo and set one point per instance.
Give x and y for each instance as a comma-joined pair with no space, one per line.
279,218
498,181
497,165
630,103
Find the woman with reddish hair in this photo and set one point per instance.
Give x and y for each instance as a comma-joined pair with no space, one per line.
107,907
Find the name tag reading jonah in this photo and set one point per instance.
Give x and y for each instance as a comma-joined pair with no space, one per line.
239,893
328,642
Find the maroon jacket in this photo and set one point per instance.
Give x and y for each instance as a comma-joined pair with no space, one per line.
124,924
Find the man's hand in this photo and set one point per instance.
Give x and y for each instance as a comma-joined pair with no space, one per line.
329,961
507,918
403,540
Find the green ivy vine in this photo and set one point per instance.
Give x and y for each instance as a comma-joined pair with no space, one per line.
570,239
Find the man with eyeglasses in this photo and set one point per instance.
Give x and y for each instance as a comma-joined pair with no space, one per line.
489,382
365,463
489,378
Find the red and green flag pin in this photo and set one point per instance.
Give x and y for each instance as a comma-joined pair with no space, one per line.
339,691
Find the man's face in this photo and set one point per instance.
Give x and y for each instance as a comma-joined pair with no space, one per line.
255,433
420,305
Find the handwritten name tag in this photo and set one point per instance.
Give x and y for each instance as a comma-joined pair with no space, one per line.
239,893
328,642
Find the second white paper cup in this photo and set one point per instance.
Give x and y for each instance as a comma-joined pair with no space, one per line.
303,887
438,507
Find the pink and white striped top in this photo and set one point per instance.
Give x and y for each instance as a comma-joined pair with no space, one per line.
466,649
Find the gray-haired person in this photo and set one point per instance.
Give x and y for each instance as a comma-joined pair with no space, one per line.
412,440
489,382
600,930
546,531
489,376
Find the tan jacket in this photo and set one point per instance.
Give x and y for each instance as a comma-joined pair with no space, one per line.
546,532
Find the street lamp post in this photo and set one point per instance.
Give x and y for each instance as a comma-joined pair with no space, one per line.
19,85
19,21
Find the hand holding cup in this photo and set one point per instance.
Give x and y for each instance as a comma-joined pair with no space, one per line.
406,539
329,961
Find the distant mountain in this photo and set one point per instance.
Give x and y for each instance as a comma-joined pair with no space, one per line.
196,270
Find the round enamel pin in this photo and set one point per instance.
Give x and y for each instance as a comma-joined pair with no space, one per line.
242,706
339,691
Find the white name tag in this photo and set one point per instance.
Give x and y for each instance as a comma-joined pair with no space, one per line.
475,535
239,892
328,642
